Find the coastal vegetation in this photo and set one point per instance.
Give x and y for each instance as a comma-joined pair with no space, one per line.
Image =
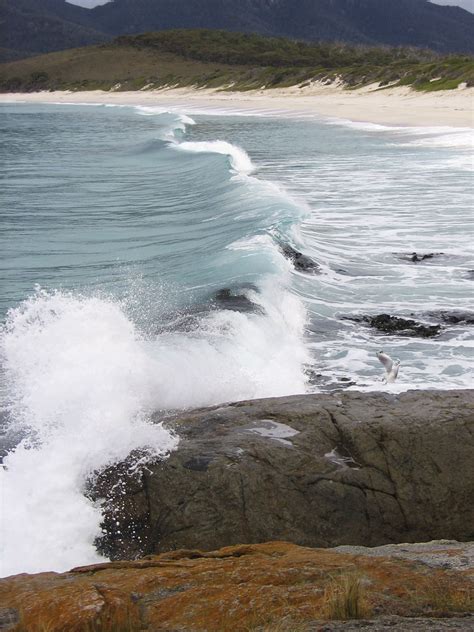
222,60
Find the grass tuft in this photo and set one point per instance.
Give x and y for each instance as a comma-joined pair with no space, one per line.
442,600
345,598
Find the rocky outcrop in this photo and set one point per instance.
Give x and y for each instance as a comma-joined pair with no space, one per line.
387,324
317,470
416,258
236,301
453,317
301,262
273,587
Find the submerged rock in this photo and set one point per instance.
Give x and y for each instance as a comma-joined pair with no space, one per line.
399,326
272,586
416,258
316,470
301,262
404,326
190,318
235,300
453,317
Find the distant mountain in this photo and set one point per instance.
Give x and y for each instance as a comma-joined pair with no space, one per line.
29,27
45,25
395,22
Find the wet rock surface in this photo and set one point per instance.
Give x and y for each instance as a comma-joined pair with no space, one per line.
388,324
272,587
301,262
453,317
317,470
237,301
414,257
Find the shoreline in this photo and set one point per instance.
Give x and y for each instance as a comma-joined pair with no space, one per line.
391,106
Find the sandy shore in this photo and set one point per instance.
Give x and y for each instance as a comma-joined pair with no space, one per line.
393,106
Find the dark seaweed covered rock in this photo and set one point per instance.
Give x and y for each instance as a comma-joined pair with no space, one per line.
453,317
398,326
238,302
403,326
417,258
301,262
316,470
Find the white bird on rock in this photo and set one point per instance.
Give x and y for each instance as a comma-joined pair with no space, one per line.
391,367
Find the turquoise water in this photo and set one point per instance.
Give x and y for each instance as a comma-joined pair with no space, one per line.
142,269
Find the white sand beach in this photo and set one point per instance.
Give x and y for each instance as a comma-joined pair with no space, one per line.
389,106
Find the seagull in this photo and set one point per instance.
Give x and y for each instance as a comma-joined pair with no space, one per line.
391,367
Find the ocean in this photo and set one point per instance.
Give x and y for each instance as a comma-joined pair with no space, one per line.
148,263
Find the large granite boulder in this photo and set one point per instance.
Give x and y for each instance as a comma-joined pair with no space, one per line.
317,470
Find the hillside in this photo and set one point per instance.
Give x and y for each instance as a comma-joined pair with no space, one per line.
29,27
36,26
230,60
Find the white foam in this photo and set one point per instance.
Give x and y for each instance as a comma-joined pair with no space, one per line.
362,126
239,159
459,140
178,123
235,356
82,382
80,385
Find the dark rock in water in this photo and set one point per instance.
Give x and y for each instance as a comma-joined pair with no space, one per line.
328,383
453,318
470,275
189,318
399,326
317,470
416,258
301,262
403,326
228,299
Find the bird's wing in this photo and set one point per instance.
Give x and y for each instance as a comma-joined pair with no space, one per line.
394,371
386,360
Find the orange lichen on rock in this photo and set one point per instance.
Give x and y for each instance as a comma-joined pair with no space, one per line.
237,588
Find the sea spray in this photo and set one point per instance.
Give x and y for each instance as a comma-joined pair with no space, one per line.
82,382
80,385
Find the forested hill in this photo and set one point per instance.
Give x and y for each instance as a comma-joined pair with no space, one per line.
219,59
35,26
29,27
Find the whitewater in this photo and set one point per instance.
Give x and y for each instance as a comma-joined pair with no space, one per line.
143,271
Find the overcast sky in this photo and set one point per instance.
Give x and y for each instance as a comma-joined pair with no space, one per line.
465,4
88,3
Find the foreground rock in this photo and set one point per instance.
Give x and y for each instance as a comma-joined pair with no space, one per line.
268,587
317,470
